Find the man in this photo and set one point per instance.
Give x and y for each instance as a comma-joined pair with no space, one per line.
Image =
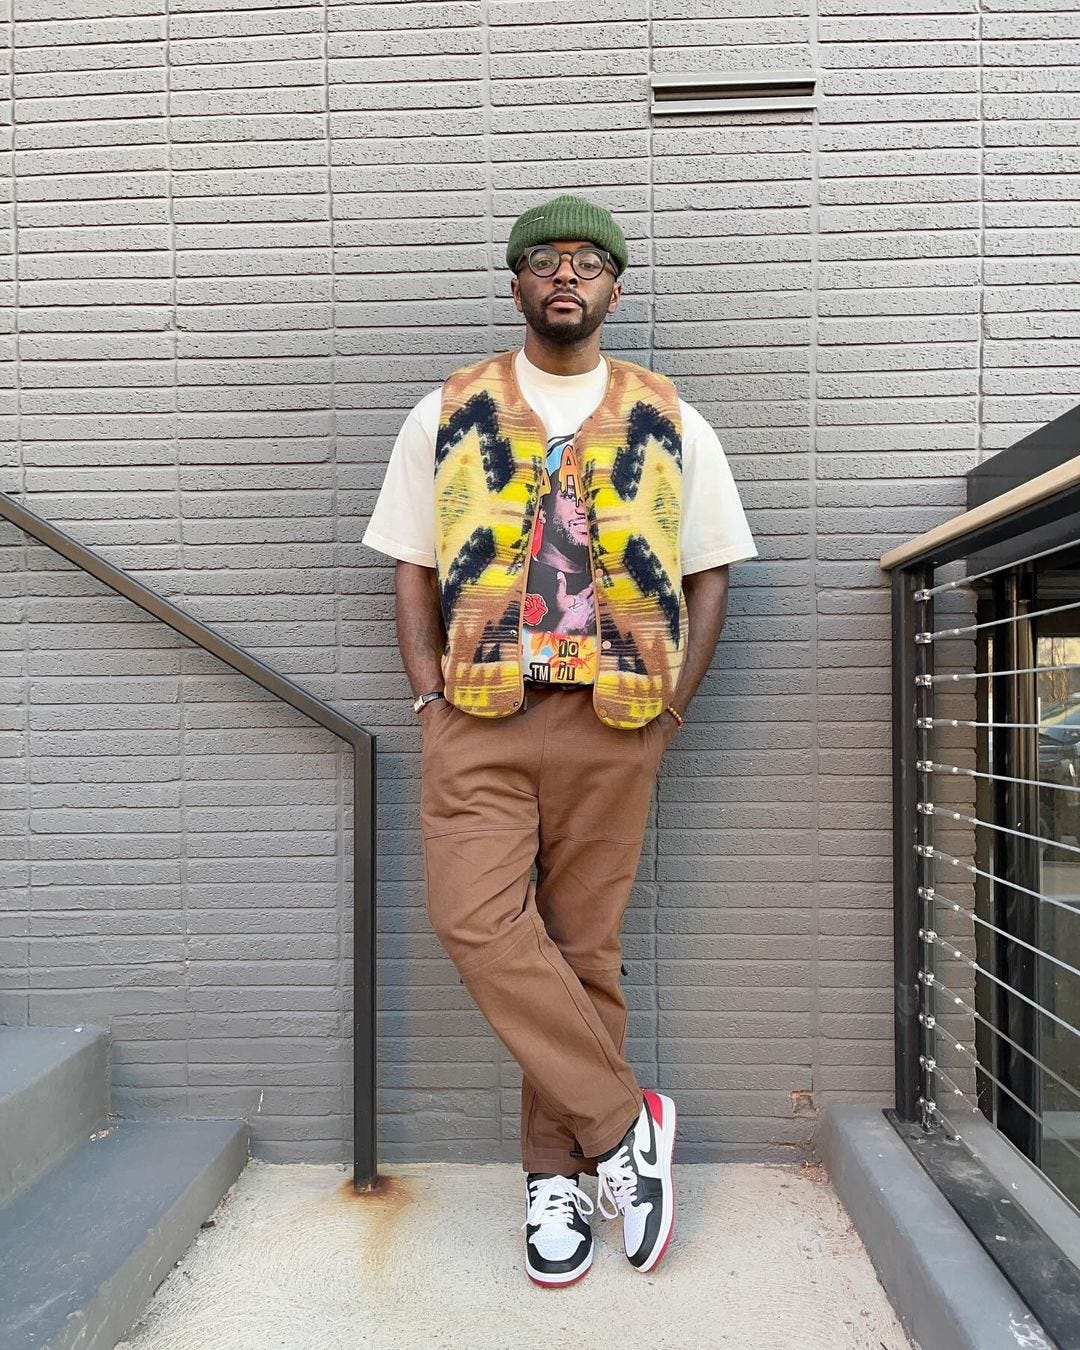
563,525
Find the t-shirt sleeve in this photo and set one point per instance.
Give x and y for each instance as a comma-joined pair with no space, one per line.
714,530
403,522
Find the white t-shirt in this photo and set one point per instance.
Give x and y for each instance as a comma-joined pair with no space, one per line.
713,531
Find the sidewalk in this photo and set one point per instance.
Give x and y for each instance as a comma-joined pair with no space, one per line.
762,1258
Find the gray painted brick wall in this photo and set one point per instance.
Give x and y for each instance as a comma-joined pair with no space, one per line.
241,242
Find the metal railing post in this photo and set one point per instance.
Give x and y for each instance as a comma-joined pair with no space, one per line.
364,966
905,882
924,842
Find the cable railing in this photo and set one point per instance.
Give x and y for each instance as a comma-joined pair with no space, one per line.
986,817
360,740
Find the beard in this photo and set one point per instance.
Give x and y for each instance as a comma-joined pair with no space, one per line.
575,552
564,330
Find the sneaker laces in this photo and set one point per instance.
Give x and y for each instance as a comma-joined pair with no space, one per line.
618,1183
554,1201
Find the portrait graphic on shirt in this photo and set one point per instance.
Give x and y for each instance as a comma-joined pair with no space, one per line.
559,622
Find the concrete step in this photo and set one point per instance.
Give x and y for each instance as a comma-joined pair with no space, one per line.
82,1250
54,1091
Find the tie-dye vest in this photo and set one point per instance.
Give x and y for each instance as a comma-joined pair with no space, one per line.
488,461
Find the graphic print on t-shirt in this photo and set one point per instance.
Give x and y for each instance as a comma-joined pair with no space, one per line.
559,624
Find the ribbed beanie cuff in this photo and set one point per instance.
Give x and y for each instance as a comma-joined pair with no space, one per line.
566,218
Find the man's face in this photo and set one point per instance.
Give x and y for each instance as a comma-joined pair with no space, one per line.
565,308
570,526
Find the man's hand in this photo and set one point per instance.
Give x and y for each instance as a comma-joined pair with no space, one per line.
570,613
668,727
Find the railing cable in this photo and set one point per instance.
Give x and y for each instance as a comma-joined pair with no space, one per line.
973,1012
981,1068
933,938
956,676
932,766
985,923
932,723
930,809
929,591
1000,881
936,633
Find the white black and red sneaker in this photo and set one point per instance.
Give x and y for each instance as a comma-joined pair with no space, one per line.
558,1238
635,1179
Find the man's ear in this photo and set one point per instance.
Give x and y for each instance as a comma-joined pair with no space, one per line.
616,293
515,291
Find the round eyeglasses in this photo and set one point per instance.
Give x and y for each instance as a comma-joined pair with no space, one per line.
588,262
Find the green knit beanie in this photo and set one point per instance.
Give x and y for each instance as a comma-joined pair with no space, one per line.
566,218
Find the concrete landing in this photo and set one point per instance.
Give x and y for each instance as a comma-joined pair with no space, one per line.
762,1257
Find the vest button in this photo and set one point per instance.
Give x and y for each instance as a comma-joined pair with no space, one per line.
606,644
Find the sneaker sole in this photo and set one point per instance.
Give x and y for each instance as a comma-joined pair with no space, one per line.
667,1149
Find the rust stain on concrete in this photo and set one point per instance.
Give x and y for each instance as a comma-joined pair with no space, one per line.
377,1212
387,1191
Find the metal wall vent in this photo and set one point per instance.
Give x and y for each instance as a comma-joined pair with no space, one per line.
760,91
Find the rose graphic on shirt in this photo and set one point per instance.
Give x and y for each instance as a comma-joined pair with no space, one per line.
535,609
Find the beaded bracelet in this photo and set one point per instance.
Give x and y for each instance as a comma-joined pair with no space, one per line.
677,715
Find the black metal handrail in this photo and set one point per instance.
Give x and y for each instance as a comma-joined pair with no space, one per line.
911,576
1006,537
364,795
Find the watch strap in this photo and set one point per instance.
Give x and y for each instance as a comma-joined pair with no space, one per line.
427,698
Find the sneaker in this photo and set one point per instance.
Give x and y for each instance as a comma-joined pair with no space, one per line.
635,1179
558,1239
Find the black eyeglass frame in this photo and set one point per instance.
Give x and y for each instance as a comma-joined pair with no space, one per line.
526,258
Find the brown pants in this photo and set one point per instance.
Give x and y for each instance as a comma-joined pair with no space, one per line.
555,785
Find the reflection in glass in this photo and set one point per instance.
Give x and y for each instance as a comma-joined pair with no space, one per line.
1057,647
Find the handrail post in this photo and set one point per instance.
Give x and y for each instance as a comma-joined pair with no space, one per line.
364,964
905,882
923,740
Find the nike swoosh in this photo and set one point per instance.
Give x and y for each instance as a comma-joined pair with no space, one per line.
648,1156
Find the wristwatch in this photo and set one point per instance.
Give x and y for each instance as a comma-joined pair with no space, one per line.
427,698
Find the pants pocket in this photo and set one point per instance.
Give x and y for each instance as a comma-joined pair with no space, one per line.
432,718
655,733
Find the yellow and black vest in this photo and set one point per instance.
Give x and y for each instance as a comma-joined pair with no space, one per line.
489,458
